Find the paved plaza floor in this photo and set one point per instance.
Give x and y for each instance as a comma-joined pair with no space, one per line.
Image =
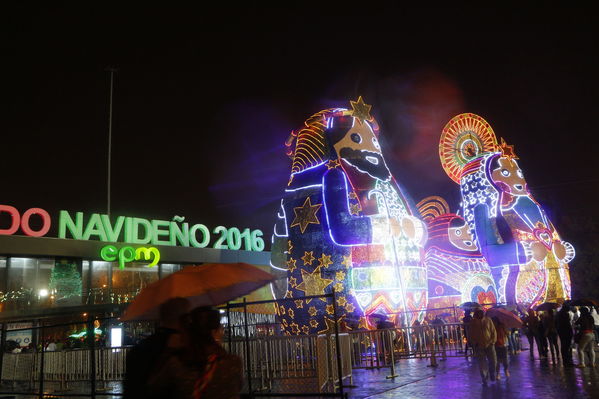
460,378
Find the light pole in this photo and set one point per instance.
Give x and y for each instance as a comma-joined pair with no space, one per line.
112,70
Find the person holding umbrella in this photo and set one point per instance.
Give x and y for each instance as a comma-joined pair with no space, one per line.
563,324
482,335
195,365
144,357
587,337
501,348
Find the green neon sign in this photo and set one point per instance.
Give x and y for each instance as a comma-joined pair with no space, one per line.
140,231
127,254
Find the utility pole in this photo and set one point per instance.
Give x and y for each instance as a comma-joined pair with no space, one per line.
112,70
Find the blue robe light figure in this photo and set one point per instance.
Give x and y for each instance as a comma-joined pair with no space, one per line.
345,226
527,257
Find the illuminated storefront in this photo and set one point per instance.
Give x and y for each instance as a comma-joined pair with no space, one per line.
101,260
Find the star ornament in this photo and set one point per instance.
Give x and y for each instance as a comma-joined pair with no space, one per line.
313,284
305,215
507,150
360,110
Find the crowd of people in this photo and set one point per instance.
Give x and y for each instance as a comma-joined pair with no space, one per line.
553,333
184,358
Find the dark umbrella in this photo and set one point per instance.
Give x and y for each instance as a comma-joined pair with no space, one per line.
584,302
378,316
470,305
547,306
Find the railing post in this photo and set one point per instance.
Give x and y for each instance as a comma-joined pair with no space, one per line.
2,344
91,341
41,385
337,346
248,361
392,375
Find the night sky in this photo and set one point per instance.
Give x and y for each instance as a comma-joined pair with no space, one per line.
205,99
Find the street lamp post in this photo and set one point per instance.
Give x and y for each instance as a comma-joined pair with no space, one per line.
112,70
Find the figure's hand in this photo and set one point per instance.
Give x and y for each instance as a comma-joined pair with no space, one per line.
395,227
563,251
559,250
539,252
414,229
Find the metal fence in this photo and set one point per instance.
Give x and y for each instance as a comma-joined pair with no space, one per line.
273,363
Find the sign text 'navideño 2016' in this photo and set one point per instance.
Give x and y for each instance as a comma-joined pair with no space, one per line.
134,230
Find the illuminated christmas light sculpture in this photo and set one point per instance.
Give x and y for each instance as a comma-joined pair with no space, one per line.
527,257
345,225
457,271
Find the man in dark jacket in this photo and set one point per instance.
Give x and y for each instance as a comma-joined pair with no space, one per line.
143,357
563,324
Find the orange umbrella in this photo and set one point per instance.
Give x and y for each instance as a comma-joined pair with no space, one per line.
205,285
506,317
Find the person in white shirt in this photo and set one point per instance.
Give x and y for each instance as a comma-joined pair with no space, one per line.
51,347
596,324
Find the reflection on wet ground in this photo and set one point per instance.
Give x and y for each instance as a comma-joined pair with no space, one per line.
459,378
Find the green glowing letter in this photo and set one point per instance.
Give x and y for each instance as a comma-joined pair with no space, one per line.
112,233
126,254
108,253
205,234
135,239
66,222
180,235
94,228
147,254
161,228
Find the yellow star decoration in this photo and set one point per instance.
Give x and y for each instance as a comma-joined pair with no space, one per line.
346,261
289,246
341,301
330,326
349,307
285,323
352,195
333,163
355,209
308,258
330,309
340,275
325,261
312,311
289,294
299,304
360,110
294,328
313,323
306,330
292,281
282,310
305,214
291,264
338,287
312,284
507,150
291,313
363,323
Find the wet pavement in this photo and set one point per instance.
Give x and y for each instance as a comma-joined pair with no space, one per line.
460,378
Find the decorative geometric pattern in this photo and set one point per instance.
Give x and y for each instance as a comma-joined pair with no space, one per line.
464,138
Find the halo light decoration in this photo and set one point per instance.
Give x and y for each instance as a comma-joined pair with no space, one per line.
345,226
464,138
527,257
